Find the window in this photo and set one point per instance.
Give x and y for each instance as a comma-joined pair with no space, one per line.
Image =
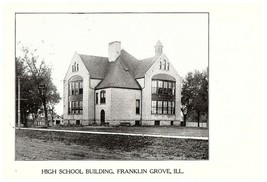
164,64
75,98
169,107
154,107
96,98
160,89
173,89
80,107
154,86
137,110
75,107
169,90
102,97
173,108
75,67
165,108
159,109
165,85
80,87
69,107
162,97
76,88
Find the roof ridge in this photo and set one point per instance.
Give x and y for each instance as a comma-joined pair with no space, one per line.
91,55
130,54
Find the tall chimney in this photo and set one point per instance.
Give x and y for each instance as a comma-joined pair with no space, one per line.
114,50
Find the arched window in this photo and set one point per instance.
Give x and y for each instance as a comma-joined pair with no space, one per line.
164,64
160,65
168,66
103,97
77,67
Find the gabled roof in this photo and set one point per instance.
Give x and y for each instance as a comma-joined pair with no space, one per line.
143,66
120,73
137,68
118,76
95,65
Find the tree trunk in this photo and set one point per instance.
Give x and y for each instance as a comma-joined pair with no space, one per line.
25,120
185,115
198,119
45,110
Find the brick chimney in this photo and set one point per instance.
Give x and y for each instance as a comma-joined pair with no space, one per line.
114,50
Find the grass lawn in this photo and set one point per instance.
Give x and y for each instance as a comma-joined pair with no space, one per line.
44,145
169,131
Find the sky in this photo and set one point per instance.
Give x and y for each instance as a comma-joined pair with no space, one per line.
57,36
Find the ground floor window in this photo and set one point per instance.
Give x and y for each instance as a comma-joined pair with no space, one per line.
162,107
137,123
137,109
157,123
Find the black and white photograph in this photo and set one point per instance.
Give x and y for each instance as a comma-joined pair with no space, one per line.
162,91
112,86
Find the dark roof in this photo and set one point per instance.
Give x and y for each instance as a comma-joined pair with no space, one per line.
137,68
95,65
120,73
143,66
118,76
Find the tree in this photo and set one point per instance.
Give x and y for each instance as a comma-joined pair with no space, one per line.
35,73
30,103
195,93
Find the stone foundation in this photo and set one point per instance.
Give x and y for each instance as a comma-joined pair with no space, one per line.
122,122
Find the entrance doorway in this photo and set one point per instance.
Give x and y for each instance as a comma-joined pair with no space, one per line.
102,117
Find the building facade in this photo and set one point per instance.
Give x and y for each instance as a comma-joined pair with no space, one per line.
122,90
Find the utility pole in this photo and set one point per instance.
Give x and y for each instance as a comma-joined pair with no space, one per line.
19,102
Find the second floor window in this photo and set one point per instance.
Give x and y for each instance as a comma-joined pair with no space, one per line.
96,98
76,88
102,97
